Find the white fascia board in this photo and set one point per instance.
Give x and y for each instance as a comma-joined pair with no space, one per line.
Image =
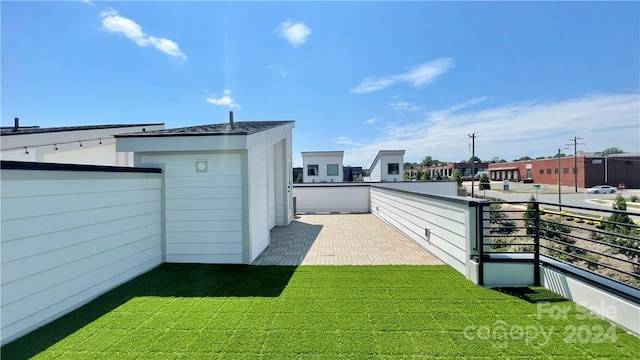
181,143
270,136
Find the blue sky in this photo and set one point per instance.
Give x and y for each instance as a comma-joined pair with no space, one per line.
357,76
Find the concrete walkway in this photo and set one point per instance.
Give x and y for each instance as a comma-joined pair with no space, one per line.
344,239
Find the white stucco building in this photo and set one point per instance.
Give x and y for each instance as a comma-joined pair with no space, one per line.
387,166
322,166
226,185
88,145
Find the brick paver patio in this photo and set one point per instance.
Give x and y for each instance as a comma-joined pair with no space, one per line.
342,239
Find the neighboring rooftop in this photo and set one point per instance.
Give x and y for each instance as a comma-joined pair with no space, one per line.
23,130
235,128
386,152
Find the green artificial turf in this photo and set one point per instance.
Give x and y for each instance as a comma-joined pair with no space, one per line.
394,312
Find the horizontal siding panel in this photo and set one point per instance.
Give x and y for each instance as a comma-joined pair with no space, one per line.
219,158
52,272
411,215
203,204
204,215
205,259
37,188
18,268
133,227
204,193
204,237
79,289
213,169
29,207
205,249
27,227
202,226
202,181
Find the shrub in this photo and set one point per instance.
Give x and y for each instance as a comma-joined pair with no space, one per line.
592,261
484,182
634,198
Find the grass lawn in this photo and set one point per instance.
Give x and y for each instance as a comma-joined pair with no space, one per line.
388,312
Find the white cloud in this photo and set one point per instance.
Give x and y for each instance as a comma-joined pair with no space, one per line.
224,100
423,74
513,130
296,33
371,121
115,23
404,106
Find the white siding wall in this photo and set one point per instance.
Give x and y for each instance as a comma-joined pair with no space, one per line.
322,162
282,182
258,201
375,174
203,209
385,160
271,185
411,214
332,198
69,236
448,188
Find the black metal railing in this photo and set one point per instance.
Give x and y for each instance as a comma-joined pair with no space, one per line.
602,242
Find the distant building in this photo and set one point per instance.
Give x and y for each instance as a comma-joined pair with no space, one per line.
446,170
89,145
322,166
591,169
387,166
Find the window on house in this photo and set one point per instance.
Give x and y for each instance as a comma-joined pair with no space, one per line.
312,170
393,169
548,171
565,170
575,170
541,171
555,171
332,170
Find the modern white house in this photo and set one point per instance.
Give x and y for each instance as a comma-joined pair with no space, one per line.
88,145
225,186
322,166
387,166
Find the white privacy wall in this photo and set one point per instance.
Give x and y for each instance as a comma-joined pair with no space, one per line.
326,198
203,219
445,219
259,209
69,236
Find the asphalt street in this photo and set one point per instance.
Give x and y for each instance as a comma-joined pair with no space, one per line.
549,194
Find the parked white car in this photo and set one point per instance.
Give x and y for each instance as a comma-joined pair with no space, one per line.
601,189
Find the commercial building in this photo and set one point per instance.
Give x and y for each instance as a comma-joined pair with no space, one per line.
585,170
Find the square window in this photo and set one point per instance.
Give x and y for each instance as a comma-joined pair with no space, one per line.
541,171
312,170
565,170
332,170
555,171
548,171
393,169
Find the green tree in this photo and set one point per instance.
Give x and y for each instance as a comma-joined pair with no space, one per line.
498,159
457,176
484,182
530,215
611,150
524,158
474,158
439,175
426,175
629,243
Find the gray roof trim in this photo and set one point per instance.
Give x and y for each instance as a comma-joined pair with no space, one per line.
7,130
238,128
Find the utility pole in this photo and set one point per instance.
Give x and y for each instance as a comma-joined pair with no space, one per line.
575,160
559,184
473,161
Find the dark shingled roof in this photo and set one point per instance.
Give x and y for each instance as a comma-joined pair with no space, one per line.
238,128
9,130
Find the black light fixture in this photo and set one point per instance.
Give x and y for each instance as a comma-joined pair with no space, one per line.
56,146
80,141
25,150
100,141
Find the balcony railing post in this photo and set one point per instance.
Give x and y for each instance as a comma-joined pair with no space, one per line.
536,244
480,243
